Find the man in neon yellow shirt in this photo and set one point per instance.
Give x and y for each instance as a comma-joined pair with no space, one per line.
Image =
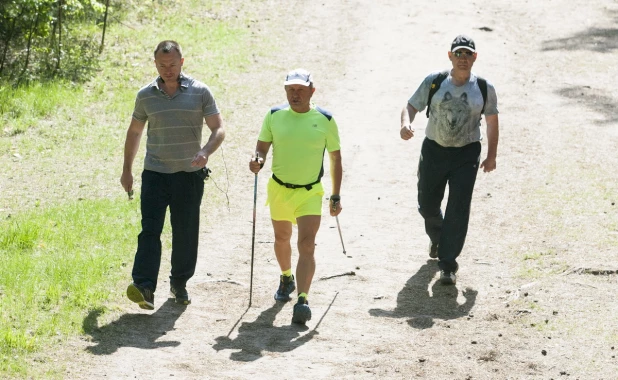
299,133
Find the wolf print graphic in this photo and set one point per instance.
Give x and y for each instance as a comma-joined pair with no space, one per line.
453,119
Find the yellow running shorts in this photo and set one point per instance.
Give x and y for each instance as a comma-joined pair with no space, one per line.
289,204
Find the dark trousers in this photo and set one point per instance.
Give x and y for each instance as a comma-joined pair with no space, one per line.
437,167
182,192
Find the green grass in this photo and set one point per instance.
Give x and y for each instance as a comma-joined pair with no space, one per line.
23,107
540,264
56,265
67,233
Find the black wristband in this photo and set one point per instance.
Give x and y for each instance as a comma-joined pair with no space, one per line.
335,198
257,159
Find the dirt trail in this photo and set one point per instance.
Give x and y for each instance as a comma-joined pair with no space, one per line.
515,313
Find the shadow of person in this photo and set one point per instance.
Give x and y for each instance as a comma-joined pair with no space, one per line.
261,335
420,307
133,330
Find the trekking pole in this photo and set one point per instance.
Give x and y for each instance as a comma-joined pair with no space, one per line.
338,226
253,237
340,237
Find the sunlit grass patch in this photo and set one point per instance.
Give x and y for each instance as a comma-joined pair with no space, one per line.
56,265
23,107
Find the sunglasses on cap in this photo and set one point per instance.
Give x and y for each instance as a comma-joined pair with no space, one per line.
462,52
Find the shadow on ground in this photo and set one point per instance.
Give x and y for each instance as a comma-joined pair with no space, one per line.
422,308
594,99
261,335
133,330
602,40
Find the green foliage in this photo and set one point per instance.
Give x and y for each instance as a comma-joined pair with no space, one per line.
42,39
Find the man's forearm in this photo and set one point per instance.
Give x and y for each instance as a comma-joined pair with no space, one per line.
405,118
336,174
493,133
492,144
215,140
407,115
217,133
131,146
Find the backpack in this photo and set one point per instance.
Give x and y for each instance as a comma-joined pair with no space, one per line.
437,81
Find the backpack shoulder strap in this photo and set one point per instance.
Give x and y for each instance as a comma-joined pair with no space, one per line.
483,87
435,86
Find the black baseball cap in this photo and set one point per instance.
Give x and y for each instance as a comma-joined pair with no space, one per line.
463,42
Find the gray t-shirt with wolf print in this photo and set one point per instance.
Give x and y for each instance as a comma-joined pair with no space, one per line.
455,112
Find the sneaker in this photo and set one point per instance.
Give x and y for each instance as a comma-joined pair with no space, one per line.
301,313
286,287
447,277
144,297
433,250
181,294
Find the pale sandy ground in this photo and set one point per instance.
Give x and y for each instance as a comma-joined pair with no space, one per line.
519,310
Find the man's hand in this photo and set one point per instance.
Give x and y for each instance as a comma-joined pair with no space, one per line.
126,180
406,132
201,159
488,165
256,165
335,205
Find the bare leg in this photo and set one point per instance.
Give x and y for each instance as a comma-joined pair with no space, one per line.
308,226
283,249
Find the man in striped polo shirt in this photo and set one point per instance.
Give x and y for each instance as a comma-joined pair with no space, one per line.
299,133
175,107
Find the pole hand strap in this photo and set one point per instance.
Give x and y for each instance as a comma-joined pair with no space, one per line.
335,198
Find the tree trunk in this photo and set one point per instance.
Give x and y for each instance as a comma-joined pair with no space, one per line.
104,26
32,29
8,41
52,46
59,35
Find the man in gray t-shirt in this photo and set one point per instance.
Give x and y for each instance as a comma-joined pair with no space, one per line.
175,107
451,150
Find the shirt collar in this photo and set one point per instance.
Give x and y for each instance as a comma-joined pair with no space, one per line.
182,79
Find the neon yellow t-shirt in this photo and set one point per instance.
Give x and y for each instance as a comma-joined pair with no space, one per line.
298,142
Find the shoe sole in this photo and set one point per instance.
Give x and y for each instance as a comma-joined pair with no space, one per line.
183,302
136,296
283,299
301,316
289,296
180,300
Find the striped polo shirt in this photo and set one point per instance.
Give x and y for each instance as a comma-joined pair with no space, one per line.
175,123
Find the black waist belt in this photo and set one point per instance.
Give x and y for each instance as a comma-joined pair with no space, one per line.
291,186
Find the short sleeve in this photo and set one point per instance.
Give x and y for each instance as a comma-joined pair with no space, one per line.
419,98
266,133
491,107
333,143
139,113
209,105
